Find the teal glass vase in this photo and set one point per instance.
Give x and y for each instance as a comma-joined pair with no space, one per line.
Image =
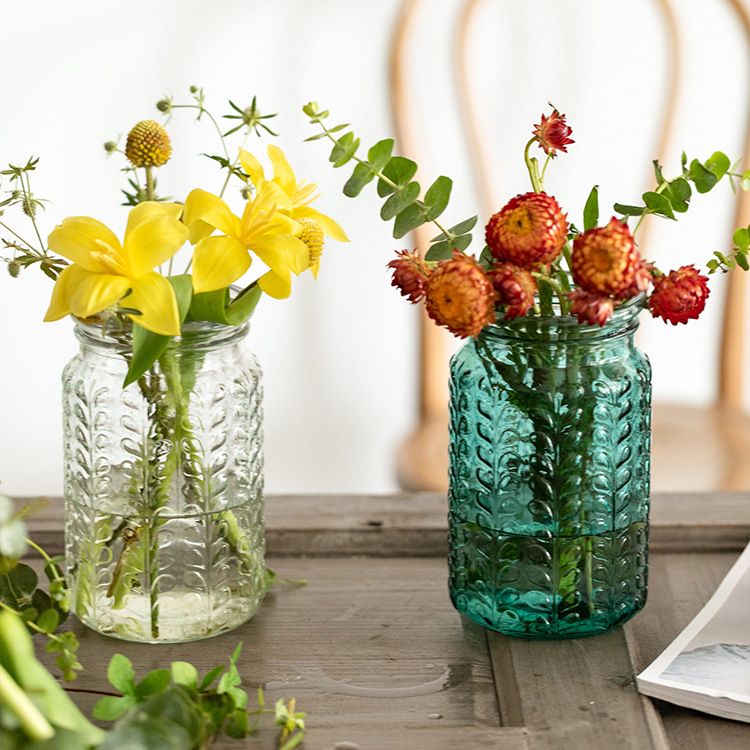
550,430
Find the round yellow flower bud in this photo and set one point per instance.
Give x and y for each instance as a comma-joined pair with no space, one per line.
148,145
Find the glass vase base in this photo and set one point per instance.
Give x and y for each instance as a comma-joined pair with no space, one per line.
181,617
548,587
532,625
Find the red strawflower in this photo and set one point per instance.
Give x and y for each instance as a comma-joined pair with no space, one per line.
590,309
410,274
604,260
459,296
641,280
514,287
680,296
552,133
529,231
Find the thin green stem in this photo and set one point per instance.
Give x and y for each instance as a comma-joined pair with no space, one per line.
382,177
27,196
149,183
28,245
532,164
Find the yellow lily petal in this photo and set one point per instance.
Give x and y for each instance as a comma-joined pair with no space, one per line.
283,253
82,293
154,297
201,208
151,239
276,285
328,226
283,174
81,239
217,262
253,168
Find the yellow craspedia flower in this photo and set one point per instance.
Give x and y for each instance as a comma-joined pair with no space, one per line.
313,237
148,145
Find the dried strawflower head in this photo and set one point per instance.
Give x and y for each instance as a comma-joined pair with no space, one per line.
410,274
529,231
148,145
514,287
552,133
590,309
459,296
605,260
680,296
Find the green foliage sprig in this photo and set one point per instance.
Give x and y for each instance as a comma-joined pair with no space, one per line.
169,708
175,702
42,610
27,253
395,183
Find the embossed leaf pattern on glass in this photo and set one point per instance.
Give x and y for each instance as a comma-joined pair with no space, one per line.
549,477
164,487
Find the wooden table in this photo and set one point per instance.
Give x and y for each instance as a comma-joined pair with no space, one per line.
373,651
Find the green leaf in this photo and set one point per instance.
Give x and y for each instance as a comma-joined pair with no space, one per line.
48,621
184,673
461,228
407,220
399,171
401,198
361,176
112,707
703,178
678,193
17,585
380,154
658,173
210,678
154,682
658,204
343,150
121,675
149,346
591,209
626,210
718,163
437,196
440,251
243,306
742,262
741,238
462,243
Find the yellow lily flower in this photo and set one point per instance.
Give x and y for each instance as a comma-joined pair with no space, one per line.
219,260
104,271
300,194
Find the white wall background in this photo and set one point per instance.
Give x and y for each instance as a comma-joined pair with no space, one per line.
340,354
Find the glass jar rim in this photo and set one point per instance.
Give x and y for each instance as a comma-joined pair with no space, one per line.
624,320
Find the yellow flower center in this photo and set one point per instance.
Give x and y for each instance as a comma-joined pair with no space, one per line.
521,222
148,145
313,237
109,258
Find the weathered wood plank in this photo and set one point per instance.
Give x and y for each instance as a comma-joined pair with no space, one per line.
572,693
369,648
415,524
679,586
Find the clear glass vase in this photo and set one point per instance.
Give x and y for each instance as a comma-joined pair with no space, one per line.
164,527
550,430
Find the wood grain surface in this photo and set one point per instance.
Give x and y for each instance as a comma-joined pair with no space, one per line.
373,651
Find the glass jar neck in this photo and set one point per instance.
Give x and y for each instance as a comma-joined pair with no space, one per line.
558,328
195,335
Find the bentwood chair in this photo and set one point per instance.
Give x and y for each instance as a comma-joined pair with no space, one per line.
693,448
